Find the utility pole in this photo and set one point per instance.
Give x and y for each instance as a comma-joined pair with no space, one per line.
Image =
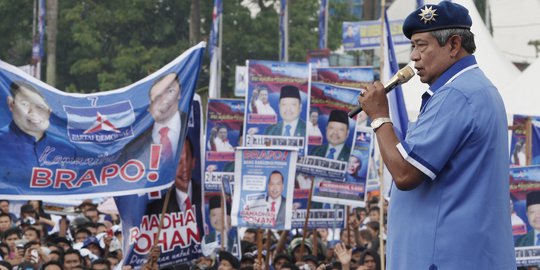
194,23
52,30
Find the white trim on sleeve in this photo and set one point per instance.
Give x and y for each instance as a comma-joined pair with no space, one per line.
414,162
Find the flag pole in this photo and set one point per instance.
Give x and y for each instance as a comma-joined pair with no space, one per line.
220,43
381,162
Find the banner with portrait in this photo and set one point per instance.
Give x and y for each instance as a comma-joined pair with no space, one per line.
264,183
367,34
180,237
276,104
525,201
111,143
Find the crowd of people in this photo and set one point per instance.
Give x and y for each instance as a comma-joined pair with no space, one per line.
90,239
33,239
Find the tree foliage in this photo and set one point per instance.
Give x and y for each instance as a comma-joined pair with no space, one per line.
105,45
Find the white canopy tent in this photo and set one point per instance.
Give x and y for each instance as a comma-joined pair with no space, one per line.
497,68
522,94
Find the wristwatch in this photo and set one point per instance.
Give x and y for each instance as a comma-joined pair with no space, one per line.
378,122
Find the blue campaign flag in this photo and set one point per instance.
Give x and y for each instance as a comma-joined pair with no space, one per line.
214,32
398,110
322,24
110,143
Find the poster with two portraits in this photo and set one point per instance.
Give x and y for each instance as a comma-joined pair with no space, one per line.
224,123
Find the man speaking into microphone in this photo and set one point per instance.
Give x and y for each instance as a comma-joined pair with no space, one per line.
449,206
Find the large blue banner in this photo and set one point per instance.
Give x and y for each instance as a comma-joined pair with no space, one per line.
181,234
117,142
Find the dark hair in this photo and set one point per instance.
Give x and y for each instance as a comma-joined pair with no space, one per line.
29,244
467,37
16,86
6,265
102,261
2,214
276,172
375,256
57,263
72,251
11,231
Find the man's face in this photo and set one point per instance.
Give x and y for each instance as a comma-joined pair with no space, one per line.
263,96
4,206
369,262
94,249
185,166
216,219
30,112
323,232
164,98
92,215
374,215
336,133
533,215
70,261
31,235
10,240
5,223
222,134
289,108
80,237
431,60
314,117
250,237
275,186
280,263
354,165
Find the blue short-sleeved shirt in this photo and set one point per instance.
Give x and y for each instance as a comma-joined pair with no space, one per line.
460,218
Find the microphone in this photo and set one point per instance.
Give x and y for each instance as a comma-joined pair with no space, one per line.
401,77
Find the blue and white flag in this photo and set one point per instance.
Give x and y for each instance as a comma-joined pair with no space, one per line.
213,49
323,16
110,143
396,101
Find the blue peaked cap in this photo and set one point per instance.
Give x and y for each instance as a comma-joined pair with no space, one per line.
435,17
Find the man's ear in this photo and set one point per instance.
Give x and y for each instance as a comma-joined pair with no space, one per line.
10,103
455,45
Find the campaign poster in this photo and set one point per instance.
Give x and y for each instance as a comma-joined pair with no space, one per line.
525,201
319,217
109,143
367,34
225,118
264,185
518,146
277,104
181,234
318,59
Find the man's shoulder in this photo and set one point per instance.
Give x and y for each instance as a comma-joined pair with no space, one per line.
319,150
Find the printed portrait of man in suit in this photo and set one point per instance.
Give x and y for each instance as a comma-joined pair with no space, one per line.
290,108
275,202
337,132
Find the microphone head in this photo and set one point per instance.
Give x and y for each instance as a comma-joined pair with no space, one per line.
405,74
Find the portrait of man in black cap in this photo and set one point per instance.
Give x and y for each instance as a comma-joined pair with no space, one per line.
290,108
532,238
217,217
337,132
